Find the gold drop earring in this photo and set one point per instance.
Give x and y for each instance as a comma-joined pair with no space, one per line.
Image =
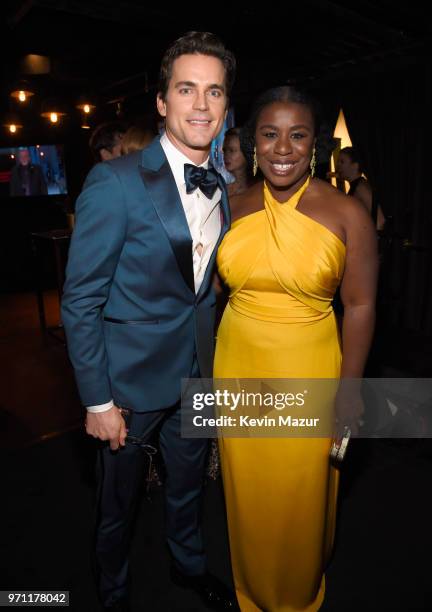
313,163
255,163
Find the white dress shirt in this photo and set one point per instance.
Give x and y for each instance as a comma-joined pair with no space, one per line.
203,217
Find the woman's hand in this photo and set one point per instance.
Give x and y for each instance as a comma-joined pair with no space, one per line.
349,408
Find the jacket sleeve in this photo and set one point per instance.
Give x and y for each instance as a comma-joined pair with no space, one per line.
97,240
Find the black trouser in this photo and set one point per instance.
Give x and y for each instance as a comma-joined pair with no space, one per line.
120,474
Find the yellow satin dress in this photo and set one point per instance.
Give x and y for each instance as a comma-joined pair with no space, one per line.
282,269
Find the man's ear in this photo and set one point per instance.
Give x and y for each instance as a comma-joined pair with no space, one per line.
161,106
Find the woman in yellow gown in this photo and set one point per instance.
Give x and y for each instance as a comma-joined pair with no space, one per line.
293,240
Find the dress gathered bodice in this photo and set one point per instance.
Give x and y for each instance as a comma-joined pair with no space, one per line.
280,264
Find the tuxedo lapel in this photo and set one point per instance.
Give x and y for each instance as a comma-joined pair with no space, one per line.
160,184
225,208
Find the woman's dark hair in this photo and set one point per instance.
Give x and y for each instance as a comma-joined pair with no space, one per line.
235,131
285,93
200,43
354,156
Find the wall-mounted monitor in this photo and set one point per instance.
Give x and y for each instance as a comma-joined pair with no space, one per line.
35,170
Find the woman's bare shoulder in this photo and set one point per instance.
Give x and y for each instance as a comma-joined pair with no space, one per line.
363,188
347,212
334,198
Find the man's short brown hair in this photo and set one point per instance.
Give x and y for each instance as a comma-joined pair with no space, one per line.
200,43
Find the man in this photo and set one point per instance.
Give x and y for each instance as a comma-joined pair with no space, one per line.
138,310
27,179
106,141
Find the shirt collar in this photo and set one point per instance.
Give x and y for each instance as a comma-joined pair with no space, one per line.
177,159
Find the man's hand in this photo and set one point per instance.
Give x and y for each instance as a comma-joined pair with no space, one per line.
109,425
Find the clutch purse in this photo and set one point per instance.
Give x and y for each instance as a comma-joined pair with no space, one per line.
338,449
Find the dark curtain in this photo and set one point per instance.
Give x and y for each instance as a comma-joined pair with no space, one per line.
388,117
325,143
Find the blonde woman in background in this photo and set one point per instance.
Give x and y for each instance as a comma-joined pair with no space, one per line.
136,137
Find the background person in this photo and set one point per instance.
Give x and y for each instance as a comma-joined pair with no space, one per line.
136,137
106,141
349,168
27,179
236,162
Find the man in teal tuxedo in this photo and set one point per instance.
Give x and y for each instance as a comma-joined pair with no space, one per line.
138,310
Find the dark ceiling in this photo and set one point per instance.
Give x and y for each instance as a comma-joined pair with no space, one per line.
112,48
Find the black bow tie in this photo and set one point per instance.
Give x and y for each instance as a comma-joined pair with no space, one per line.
196,176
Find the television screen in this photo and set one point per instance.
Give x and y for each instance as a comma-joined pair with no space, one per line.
32,171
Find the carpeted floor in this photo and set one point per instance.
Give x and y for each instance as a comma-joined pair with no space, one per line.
384,538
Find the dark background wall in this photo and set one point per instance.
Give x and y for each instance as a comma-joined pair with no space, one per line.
370,58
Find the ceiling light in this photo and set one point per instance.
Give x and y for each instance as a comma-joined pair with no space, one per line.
21,91
52,110
12,123
86,106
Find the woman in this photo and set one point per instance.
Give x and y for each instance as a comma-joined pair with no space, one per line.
236,163
293,239
136,138
349,169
